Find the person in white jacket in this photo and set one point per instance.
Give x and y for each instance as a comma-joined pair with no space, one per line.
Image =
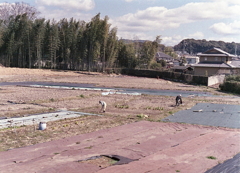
104,105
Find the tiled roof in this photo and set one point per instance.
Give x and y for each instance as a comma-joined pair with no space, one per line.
221,65
236,63
223,52
220,53
163,55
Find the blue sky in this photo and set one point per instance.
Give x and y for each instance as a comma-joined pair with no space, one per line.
174,20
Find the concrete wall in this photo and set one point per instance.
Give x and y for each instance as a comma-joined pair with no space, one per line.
201,80
215,79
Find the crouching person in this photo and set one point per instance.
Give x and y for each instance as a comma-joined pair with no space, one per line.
178,100
103,106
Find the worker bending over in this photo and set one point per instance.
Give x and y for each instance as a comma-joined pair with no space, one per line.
178,100
104,105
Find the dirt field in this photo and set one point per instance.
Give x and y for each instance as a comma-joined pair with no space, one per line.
153,147
121,109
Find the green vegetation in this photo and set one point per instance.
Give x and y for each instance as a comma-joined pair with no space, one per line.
27,41
65,125
88,147
211,157
156,108
195,46
142,116
121,106
233,78
148,107
82,96
231,84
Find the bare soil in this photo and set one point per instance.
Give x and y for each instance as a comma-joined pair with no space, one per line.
121,109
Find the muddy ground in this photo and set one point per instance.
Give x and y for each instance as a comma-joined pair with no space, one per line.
121,109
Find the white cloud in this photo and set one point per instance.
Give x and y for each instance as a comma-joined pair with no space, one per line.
59,9
197,35
134,35
149,19
236,2
162,18
226,29
84,5
157,19
170,41
225,39
129,0
146,24
58,14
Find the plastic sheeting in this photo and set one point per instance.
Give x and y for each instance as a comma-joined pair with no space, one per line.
229,166
219,115
35,119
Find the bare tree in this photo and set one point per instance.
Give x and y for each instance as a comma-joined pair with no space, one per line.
8,10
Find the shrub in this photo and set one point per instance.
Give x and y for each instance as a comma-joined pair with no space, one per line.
233,78
82,96
155,66
231,84
211,157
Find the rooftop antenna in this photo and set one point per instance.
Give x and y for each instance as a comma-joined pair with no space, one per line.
236,49
184,44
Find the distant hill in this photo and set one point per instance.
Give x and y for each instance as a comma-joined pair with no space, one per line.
193,46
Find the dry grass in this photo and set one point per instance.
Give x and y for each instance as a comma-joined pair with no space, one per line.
121,109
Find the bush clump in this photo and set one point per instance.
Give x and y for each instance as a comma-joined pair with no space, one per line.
231,84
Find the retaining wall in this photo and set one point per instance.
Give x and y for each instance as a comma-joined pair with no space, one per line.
215,79
176,76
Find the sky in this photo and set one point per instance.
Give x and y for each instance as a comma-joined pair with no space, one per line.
174,20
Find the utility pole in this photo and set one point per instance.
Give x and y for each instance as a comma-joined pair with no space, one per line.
236,49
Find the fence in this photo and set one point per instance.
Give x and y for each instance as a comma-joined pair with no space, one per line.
176,76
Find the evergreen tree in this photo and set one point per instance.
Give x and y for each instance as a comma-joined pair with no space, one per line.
111,48
38,38
148,52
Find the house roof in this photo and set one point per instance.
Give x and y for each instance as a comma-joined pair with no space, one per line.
191,57
215,52
163,55
236,63
180,67
218,65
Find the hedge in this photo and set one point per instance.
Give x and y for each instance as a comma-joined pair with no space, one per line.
231,84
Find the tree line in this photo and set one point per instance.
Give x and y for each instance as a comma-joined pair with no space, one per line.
27,41
193,46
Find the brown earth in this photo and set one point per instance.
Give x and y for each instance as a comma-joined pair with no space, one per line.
143,146
173,147
121,109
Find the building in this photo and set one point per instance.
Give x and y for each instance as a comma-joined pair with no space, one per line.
215,62
162,56
192,59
